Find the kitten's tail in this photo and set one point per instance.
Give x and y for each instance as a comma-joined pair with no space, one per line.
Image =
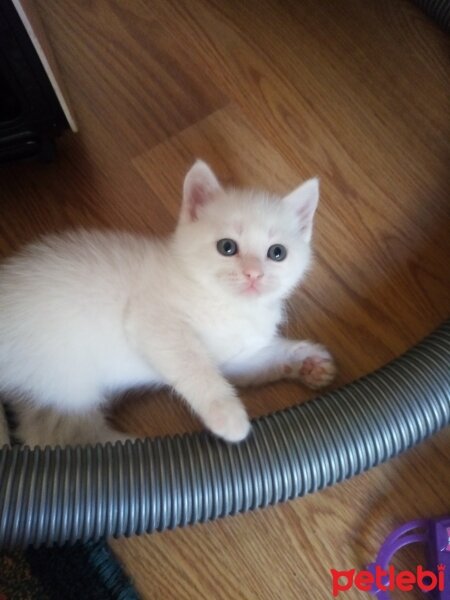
48,427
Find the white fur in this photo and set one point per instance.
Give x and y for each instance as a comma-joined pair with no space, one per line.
84,315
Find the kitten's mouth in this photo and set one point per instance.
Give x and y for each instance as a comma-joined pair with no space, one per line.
255,287
252,289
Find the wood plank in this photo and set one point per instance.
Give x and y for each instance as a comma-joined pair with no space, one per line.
269,92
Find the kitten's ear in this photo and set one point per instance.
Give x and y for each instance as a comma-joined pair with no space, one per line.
304,200
200,187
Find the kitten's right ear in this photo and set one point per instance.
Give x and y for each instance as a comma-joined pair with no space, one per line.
200,187
304,200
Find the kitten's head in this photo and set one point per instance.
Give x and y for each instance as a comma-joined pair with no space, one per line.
245,243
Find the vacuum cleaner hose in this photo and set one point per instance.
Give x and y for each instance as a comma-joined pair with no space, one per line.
84,493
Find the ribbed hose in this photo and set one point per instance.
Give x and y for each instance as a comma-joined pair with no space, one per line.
85,493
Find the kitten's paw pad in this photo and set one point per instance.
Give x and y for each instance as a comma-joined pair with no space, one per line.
317,371
312,364
228,420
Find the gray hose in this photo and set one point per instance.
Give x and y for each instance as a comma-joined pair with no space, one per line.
85,493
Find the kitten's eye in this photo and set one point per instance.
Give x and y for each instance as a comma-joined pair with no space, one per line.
227,247
277,252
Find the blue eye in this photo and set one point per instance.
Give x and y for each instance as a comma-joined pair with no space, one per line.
277,252
227,247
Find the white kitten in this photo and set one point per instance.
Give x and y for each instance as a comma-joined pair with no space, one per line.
87,314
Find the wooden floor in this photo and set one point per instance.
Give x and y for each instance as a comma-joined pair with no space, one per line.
269,92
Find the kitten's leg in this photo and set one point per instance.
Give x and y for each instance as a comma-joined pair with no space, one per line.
175,352
310,363
48,427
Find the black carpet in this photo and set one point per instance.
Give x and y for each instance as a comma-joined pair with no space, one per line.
83,571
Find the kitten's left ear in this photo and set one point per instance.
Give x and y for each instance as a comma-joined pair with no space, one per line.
200,187
304,200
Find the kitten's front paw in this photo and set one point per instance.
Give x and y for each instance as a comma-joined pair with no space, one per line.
313,365
228,420
317,372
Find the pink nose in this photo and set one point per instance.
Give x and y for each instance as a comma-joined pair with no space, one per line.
253,273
